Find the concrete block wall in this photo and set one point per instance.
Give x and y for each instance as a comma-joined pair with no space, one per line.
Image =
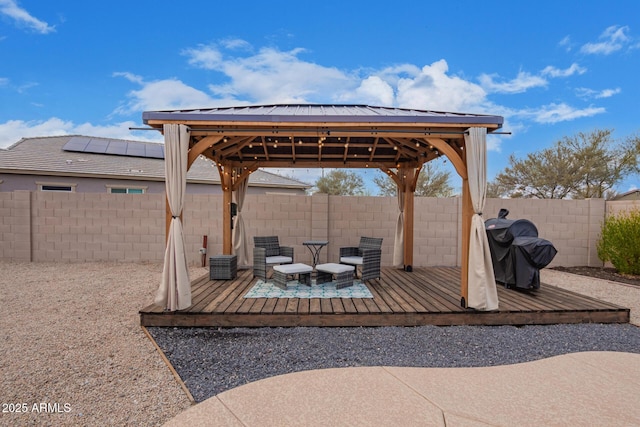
288,217
15,226
617,206
72,227
91,226
573,226
353,217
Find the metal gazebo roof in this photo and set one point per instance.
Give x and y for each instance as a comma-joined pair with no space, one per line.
324,135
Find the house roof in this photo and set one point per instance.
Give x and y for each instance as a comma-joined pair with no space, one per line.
631,194
323,135
61,156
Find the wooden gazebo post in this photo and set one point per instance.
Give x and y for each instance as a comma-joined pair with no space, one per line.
227,198
410,175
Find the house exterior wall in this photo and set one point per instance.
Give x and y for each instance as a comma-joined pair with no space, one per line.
15,182
77,227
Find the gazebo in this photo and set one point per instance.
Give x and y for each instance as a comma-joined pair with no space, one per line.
398,141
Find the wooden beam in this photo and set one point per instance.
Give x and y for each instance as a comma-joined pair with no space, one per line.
453,155
239,178
200,147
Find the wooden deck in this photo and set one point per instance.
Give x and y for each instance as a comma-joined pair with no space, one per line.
426,296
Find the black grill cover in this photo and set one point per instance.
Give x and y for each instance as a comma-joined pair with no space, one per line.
517,253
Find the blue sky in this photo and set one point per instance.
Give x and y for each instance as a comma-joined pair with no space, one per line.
550,68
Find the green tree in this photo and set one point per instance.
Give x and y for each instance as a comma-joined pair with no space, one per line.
582,166
341,183
432,182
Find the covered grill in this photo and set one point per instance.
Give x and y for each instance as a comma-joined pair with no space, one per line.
517,252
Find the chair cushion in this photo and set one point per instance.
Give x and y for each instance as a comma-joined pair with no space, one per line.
293,268
355,260
278,259
334,268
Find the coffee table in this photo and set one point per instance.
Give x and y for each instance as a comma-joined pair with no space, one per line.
314,247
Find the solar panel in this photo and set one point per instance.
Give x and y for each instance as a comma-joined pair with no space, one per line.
117,147
76,144
135,150
83,144
155,151
96,146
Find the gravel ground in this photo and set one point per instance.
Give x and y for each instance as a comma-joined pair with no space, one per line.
70,338
212,361
70,335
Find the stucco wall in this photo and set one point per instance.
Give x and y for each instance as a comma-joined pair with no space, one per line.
74,227
15,182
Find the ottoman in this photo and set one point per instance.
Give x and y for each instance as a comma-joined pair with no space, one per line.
283,271
223,267
342,272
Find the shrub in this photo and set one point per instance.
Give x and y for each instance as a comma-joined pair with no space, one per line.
620,241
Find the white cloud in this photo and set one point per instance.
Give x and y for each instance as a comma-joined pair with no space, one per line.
23,18
432,88
556,72
607,93
4,81
134,78
612,39
587,93
566,43
523,82
14,130
554,113
207,57
236,44
168,94
372,91
272,76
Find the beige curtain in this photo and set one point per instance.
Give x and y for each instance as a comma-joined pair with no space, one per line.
174,292
240,246
483,294
398,244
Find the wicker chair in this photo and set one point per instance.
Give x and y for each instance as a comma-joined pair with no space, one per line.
367,255
267,251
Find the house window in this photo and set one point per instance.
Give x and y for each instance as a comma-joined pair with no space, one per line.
126,190
56,186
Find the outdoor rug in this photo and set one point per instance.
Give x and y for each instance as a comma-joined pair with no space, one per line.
294,289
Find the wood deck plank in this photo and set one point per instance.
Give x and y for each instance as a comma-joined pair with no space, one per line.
425,296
